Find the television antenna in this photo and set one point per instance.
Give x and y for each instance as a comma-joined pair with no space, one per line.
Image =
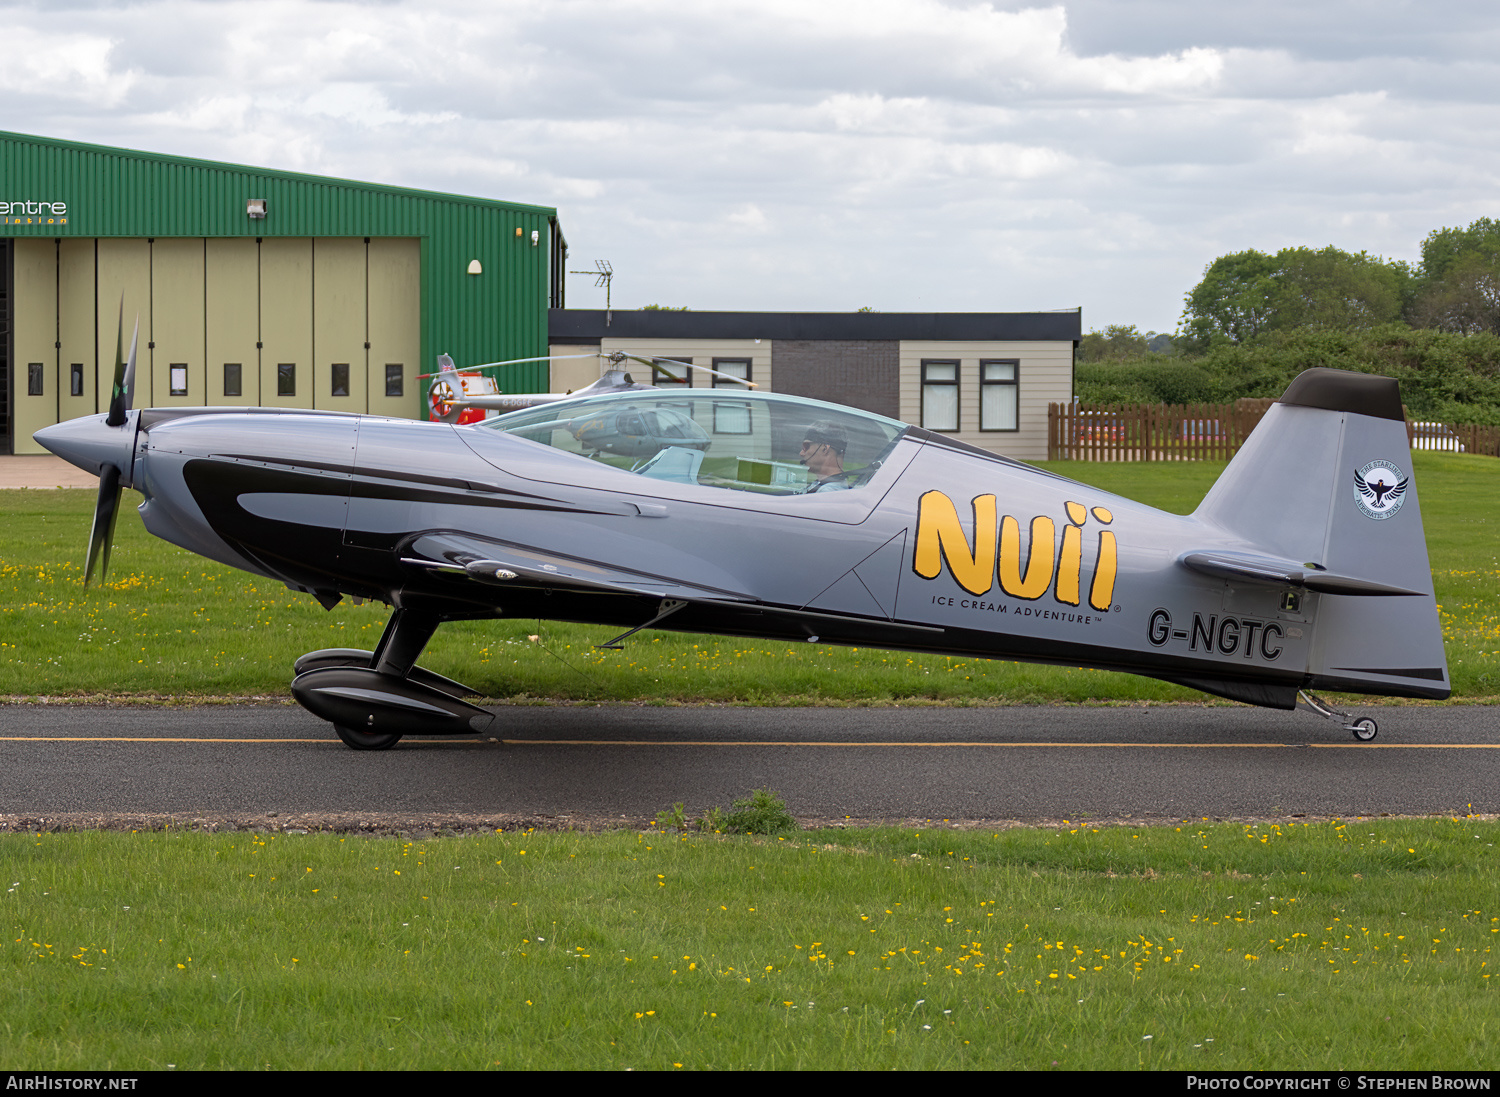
603,276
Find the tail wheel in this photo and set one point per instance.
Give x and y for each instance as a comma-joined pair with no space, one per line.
1364,729
367,740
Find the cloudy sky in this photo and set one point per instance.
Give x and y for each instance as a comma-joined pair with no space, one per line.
908,155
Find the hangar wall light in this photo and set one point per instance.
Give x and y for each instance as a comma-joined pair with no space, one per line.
475,267
255,209
536,237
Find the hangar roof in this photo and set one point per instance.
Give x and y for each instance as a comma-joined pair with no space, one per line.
122,192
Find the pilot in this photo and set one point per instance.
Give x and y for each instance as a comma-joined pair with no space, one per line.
823,447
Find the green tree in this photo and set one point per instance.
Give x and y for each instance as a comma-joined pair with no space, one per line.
1234,302
1115,343
1248,294
1460,280
1336,289
1444,248
1466,300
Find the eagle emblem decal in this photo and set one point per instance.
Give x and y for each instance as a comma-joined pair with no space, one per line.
1379,489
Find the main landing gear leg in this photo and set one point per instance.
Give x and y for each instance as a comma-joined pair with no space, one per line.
405,635
374,698
1364,729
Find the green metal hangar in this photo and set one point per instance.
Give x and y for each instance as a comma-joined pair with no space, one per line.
252,287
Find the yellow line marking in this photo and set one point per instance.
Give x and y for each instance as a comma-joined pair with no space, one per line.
461,739
1144,746
141,739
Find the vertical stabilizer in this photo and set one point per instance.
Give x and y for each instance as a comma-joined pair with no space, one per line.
1326,481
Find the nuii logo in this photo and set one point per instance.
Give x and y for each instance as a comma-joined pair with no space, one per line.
997,551
33,213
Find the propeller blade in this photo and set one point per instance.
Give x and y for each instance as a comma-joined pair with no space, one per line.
130,365
120,397
117,405
102,536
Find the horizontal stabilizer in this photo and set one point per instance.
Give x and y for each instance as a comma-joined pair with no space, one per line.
1272,571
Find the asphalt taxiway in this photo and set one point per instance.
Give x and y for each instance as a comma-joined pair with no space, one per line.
597,763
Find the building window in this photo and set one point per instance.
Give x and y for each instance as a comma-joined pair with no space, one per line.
681,376
286,379
731,418
394,383
75,373
177,378
34,379
940,395
737,370
999,395
232,382
340,379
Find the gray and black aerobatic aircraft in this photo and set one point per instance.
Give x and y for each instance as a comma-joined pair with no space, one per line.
726,511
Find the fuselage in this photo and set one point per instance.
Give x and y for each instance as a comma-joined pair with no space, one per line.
938,547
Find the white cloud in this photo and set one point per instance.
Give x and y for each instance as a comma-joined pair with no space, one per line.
907,154
68,66
749,218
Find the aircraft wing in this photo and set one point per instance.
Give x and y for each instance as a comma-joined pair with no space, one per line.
500,564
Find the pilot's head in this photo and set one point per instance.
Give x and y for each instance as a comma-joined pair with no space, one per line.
823,446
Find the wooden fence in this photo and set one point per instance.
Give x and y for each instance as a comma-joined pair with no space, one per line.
1150,432
1205,432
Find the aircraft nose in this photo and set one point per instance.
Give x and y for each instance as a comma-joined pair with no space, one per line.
91,444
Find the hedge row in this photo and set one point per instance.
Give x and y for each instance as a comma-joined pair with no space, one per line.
1444,377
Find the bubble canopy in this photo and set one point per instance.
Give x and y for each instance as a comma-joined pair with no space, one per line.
716,437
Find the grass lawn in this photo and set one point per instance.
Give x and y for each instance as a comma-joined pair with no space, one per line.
1356,944
1352,944
173,625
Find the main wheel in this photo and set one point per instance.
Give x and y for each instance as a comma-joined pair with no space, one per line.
367,740
1364,729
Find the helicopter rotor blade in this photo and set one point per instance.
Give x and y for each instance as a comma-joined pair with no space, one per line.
654,361
513,362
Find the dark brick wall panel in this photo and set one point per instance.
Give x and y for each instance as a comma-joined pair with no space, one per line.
862,373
